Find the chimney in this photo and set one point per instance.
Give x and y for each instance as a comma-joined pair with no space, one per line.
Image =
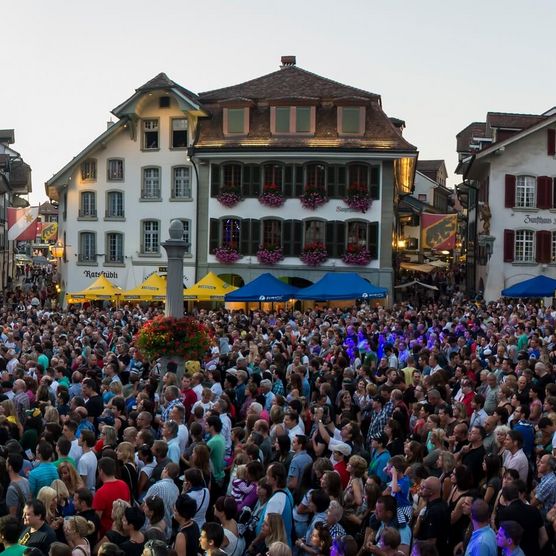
287,61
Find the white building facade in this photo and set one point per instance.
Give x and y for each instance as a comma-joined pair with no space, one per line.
118,196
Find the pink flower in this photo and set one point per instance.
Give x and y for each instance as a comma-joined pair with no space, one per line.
226,254
270,255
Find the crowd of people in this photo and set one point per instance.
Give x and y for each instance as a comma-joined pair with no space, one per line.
411,430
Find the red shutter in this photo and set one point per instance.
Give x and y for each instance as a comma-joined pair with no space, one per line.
509,246
510,191
543,240
544,193
551,142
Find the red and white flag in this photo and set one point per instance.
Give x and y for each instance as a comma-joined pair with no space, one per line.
22,223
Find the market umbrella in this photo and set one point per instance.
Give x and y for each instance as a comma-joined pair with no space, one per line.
208,288
266,288
100,290
335,286
540,286
153,288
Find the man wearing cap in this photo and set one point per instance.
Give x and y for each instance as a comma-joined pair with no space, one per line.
379,457
340,454
301,459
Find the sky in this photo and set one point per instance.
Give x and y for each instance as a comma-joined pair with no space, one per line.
438,65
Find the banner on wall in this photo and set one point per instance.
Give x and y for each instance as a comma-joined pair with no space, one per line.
438,231
22,223
49,231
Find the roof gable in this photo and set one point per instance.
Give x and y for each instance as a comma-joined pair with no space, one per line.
281,83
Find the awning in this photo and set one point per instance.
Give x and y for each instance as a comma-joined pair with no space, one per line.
416,267
417,283
337,286
100,290
264,288
208,288
152,288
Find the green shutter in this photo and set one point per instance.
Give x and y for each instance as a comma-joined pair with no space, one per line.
246,181
339,238
288,181
350,120
375,182
297,237
331,178
287,244
299,181
341,182
373,239
214,239
255,188
235,120
282,124
245,236
255,236
214,180
303,119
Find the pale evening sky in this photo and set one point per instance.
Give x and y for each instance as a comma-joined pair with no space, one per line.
437,64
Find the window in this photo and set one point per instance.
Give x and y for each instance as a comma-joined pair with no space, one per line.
351,120
187,233
179,133
358,176
181,182
87,247
357,233
525,189
236,120
150,135
272,233
422,197
230,232
88,205
315,176
293,119
524,246
114,248
151,183
553,248
115,204
89,170
273,175
115,169
164,102
150,237
314,231
232,176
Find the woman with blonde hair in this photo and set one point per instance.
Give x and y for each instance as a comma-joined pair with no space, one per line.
49,497
278,548
116,533
70,477
8,408
108,441
273,527
126,457
51,415
62,497
446,463
76,530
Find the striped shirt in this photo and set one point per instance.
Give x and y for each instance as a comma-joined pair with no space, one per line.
41,476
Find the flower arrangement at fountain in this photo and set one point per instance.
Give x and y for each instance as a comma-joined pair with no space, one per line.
229,196
358,197
356,254
313,197
314,254
226,254
169,336
272,196
270,254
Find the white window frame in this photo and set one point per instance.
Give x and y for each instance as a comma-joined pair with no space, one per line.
88,170
271,223
150,187
524,246
226,121
87,247
118,258
172,120
307,231
114,214
150,229
150,125
111,176
88,198
361,129
185,183
353,237
293,121
187,233
526,192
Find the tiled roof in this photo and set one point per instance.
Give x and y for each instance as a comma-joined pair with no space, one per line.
162,81
429,165
283,83
509,120
465,137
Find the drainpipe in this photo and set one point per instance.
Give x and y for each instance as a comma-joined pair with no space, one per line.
191,155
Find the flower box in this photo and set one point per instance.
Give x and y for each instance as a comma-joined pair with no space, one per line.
271,254
358,197
314,254
272,196
229,197
227,254
356,255
313,197
168,336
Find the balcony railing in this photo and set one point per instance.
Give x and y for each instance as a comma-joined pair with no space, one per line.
117,259
87,258
87,213
114,213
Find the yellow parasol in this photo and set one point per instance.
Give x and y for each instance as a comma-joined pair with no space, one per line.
100,290
152,288
209,288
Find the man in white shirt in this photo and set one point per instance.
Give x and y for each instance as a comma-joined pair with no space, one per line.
221,406
177,414
514,456
87,466
291,424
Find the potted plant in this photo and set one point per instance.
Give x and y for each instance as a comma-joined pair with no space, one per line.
356,254
313,197
357,197
270,254
314,254
272,196
229,196
227,254
168,336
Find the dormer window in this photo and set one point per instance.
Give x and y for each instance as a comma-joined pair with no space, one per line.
351,120
236,121
289,120
89,170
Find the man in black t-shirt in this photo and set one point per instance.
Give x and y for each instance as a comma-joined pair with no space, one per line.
37,533
473,454
433,522
83,502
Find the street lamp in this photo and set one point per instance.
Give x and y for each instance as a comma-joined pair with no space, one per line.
58,250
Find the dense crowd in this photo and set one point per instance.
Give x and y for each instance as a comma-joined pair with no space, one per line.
427,430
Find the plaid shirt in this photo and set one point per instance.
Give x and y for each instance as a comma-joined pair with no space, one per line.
546,492
278,388
379,420
337,531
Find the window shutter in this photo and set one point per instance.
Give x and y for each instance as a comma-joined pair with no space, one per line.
330,238
255,236
375,183
331,181
341,182
509,201
246,181
372,239
298,185
214,180
297,237
287,245
339,239
544,240
288,181
509,236
551,142
245,236
553,193
255,186
214,229
544,192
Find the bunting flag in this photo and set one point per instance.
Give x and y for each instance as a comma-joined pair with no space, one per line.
438,231
49,231
22,223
